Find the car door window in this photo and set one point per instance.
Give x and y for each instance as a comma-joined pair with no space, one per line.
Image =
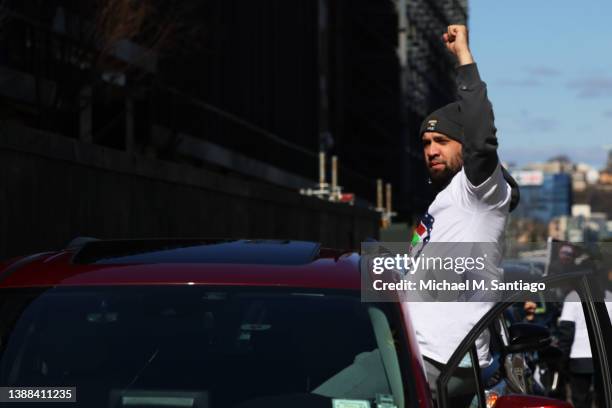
462,387
524,362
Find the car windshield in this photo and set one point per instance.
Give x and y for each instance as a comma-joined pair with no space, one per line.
198,346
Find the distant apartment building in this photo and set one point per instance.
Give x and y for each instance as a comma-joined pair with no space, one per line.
582,226
558,164
584,176
544,196
597,191
573,200
605,176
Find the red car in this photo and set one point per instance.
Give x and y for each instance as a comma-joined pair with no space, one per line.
201,323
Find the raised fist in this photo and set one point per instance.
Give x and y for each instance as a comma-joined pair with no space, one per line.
456,41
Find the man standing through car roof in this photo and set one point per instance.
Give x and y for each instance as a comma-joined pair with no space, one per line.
475,195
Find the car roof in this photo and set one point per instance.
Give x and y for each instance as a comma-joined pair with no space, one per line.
264,263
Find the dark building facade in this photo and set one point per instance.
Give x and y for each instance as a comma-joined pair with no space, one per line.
428,83
253,89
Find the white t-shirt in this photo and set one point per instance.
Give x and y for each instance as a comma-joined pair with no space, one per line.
461,212
572,312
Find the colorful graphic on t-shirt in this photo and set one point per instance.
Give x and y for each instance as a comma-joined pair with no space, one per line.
423,231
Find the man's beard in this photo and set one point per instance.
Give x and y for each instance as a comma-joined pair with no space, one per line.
441,179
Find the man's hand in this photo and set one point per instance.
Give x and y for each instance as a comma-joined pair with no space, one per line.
456,40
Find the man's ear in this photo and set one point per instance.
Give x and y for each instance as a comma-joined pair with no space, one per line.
461,155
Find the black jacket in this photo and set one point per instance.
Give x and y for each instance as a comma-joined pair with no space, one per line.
479,141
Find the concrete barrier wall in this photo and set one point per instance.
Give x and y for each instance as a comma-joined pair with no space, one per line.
53,189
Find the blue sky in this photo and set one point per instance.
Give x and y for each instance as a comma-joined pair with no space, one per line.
548,67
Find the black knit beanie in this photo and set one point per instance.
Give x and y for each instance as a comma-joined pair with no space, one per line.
446,120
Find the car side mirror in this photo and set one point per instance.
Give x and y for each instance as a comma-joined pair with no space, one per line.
528,337
529,401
